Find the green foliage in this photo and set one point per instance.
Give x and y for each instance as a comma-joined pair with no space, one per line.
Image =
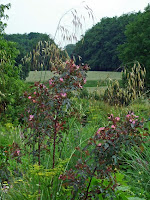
27,186
25,43
11,87
57,156
133,87
136,167
92,176
3,17
137,46
98,47
70,48
9,146
49,107
22,184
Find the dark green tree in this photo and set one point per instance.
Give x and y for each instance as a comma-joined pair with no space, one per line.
70,49
98,47
137,46
25,44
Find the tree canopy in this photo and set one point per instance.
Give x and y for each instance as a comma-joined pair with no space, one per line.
137,46
98,48
70,49
25,43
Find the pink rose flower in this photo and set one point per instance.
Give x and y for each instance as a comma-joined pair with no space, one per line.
100,129
34,92
110,116
61,79
99,145
84,81
29,97
31,117
50,82
77,67
63,94
117,118
113,127
128,115
133,122
80,86
18,152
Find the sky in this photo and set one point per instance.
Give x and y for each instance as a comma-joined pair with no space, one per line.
43,16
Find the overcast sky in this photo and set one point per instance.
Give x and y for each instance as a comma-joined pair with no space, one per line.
42,16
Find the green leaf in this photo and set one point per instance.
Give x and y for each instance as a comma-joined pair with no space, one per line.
135,198
120,178
100,197
123,188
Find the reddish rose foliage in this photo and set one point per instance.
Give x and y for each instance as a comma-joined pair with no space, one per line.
101,157
49,106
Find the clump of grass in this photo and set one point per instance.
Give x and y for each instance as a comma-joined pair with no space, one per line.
137,169
134,87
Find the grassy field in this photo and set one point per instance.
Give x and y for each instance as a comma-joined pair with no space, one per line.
39,76
103,75
96,80
91,76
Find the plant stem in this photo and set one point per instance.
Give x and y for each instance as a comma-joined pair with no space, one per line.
54,142
87,191
39,151
39,162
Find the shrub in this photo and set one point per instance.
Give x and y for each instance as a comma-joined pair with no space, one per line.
94,175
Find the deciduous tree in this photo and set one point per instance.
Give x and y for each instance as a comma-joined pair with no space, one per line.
137,46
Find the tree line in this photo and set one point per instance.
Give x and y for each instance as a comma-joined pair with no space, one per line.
26,43
108,46
116,42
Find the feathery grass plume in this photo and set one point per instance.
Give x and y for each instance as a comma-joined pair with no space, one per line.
73,24
134,86
46,56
